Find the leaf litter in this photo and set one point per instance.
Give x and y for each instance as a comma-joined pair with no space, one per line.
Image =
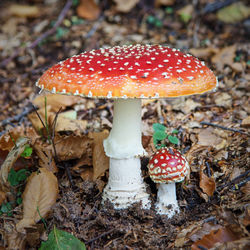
215,198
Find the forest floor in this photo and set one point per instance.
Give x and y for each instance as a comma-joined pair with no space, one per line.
214,199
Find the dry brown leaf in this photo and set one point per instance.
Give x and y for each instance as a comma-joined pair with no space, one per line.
45,155
72,147
206,137
36,122
209,240
6,143
224,100
2,197
16,240
125,6
56,101
224,57
39,196
88,9
203,53
66,124
246,122
100,160
13,155
22,10
164,2
207,184
87,174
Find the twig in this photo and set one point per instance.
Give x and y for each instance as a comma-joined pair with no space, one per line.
216,5
100,236
208,169
43,36
224,128
242,183
18,117
234,180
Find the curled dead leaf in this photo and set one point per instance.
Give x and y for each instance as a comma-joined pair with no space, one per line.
125,6
215,236
13,155
224,57
22,10
72,147
203,53
88,9
207,184
2,197
46,159
39,196
100,160
56,101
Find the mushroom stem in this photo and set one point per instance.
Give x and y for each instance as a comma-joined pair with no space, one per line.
125,185
166,200
124,140
123,146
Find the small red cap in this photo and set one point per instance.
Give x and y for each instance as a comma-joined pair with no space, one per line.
167,165
135,71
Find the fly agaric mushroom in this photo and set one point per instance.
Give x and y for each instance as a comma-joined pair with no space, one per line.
166,167
128,74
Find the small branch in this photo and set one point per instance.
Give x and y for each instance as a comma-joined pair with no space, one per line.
18,117
43,36
236,179
224,128
100,236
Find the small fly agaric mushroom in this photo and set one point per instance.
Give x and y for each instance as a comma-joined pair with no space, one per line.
166,167
128,74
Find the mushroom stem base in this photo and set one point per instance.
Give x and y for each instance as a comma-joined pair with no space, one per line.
166,200
125,186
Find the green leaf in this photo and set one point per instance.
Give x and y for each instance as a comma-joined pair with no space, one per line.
15,178
12,177
173,139
19,200
27,151
159,135
61,240
6,207
158,127
175,131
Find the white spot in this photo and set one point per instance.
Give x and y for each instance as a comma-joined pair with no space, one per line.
190,78
53,90
133,77
109,95
90,94
76,93
91,69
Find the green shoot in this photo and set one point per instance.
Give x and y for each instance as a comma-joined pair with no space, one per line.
17,177
27,151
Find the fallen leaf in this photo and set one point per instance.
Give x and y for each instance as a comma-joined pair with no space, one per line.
125,6
22,10
164,2
2,197
206,137
59,239
13,155
45,155
237,67
234,13
100,160
246,122
186,13
215,236
207,184
224,57
223,99
203,53
56,101
88,9
66,124
202,231
15,240
39,196
72,147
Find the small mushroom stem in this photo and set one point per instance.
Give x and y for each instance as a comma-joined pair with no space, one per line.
123,146
166,200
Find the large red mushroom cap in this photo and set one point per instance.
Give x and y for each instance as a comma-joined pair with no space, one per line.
167,165
135,71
